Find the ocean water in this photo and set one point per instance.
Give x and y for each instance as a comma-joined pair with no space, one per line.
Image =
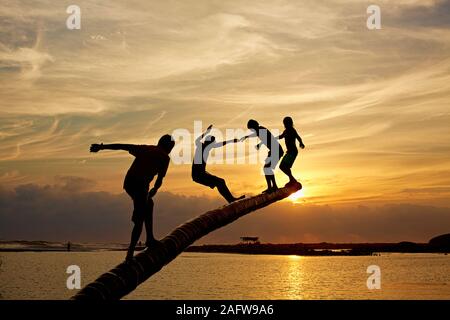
42,275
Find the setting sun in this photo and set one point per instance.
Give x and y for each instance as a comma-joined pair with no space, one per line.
295,197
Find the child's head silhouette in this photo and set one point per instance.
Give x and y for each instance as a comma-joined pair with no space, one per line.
252,124
288,122
166,143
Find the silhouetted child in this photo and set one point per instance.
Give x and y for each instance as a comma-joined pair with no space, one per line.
274,155
290,136
149,161
199,173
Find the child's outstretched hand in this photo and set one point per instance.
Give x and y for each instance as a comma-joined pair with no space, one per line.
209,128
96,147
302,146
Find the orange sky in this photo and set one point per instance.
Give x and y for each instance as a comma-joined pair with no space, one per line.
371,106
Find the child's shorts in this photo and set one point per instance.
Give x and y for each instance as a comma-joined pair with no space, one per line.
288,160
143,205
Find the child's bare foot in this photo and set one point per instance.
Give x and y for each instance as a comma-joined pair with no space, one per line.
291,183
236,199
152,243
294,183
129,257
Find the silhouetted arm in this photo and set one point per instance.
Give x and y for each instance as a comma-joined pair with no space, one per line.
221,144
281,136
116,146
300,140
156,186
251,135
158,182
198,141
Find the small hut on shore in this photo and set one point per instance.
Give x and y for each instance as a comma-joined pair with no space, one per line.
250,240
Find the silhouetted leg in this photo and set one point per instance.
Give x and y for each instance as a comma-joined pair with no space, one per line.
224,191
269,183
270,166
286,170
286,165
151,241
135,235
274,183
268,174
139,197
211,181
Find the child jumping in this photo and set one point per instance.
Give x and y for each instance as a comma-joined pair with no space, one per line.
199,173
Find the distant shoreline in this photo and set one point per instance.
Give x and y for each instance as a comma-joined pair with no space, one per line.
301,249
321,249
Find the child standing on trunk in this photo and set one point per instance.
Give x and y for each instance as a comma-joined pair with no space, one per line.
290,137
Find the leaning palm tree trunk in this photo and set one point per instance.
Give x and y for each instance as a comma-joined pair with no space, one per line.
125,277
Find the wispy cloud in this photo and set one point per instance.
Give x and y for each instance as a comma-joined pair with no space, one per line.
373,105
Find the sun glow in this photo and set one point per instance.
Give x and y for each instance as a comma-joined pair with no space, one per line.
295,197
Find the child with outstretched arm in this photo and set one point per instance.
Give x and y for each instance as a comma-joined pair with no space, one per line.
273,156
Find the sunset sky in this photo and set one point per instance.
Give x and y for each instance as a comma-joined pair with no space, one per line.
372,106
